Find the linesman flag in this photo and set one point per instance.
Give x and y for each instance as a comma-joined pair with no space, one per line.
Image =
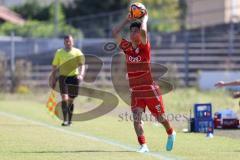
52,103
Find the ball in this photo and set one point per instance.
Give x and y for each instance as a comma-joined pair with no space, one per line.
137,10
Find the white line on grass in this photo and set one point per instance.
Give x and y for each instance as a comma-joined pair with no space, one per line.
83,135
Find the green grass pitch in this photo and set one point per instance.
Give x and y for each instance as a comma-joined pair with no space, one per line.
28,132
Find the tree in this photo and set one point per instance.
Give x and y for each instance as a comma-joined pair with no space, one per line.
57,17
88,7
40,21
183,15
163,14
33,10
100,24
38,29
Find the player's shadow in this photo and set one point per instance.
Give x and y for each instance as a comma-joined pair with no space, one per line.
77,151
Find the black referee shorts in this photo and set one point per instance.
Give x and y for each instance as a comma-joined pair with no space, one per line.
69,85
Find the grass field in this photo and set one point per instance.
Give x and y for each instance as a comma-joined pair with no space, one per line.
28,132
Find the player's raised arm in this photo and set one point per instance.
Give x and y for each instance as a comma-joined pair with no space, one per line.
144,29
118,29
223,84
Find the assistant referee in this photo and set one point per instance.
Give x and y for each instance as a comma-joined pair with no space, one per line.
69,61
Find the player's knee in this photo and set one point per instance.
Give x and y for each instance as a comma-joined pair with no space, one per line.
161,118
137,118
65,97
72,97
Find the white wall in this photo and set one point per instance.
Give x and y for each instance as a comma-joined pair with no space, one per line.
211,12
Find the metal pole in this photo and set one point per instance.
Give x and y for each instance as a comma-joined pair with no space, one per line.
109,26
12,52
12,88
186,58
231,29
79,42
231,39
56,7
203,41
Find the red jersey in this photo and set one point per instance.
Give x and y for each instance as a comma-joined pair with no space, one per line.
138,65
144,91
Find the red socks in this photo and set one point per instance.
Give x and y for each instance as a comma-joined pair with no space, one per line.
167,125
169,131
141,140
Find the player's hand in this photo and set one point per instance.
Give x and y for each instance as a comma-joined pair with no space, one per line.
129,18
80,77
236,94
220,84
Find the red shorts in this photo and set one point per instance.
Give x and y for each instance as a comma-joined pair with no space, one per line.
150,98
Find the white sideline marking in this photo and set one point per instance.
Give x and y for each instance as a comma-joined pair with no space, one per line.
90,137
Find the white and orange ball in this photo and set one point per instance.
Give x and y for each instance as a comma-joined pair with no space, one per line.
137,10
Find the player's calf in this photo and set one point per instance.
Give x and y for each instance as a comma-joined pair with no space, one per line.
138,126
65,112
171,133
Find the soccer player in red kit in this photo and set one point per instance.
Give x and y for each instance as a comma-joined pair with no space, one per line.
144,91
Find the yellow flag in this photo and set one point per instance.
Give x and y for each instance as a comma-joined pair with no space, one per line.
52,103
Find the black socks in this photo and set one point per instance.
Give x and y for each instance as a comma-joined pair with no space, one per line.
70,112
64,110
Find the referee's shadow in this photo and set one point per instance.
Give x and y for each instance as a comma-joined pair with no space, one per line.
78,151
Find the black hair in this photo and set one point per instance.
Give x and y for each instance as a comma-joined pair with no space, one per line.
135,24
67,36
